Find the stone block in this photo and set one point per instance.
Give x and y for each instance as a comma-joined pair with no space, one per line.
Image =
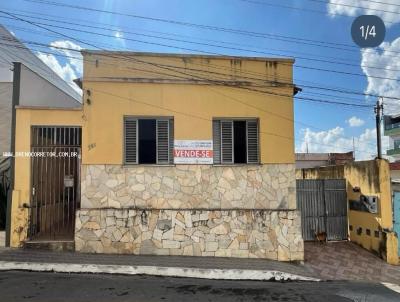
244,246
226,233
223,253
169,235
157,234
211,246
232,187
171,244
164,224
188,250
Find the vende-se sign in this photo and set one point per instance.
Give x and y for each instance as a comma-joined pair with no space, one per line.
193,152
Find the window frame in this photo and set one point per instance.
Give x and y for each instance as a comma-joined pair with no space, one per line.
233,119
170,134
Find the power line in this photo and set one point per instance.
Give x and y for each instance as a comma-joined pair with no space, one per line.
169,67
118,28
355,6
380,2
277,115
309,10
255,107
200,117
212,81
200,43
196,50
201,26
33,65
323,87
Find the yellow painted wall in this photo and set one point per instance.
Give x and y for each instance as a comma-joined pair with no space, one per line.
25,118
373,178
193,105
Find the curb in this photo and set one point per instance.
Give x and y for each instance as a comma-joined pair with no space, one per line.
184,272
391,286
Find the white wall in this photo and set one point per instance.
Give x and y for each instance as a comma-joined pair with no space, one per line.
36,91
5,116
6,74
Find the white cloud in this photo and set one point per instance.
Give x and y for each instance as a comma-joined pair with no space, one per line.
70,70
362,7
70,49
386,56
355,122
335,140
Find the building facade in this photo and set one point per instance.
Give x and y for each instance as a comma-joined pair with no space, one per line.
186,155
392,129
24,81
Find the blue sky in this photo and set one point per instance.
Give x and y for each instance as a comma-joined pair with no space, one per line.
332,130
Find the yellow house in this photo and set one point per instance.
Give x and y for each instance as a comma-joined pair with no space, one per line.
180,155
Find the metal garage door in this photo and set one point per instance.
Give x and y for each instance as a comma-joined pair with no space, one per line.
323,206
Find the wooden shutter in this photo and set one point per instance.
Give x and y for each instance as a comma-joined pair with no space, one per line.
131,140
252,142
171,141
216,141
163,148
226,142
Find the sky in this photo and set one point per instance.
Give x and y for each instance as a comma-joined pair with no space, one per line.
315,32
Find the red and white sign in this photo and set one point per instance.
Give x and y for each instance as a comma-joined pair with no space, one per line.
193,152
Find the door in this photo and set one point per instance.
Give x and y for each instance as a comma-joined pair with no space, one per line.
396,208
323,207
335,197
55,182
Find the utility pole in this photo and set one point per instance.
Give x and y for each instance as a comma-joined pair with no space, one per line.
378,117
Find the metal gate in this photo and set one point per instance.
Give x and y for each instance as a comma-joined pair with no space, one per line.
323,206
55,182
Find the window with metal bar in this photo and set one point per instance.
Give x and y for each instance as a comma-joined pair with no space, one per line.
236,141
148,140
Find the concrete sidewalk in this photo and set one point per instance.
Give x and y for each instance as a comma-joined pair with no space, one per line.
178,266
331,261
348,261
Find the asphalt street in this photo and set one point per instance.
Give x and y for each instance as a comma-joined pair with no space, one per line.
54,287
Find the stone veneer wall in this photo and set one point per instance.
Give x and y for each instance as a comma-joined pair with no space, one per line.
196,210
236,233
269,186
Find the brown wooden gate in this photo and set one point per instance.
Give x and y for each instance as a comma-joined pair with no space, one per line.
55,182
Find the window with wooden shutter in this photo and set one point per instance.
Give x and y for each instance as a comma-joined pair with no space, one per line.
130,137
226,142
216,141
148,140
162,141
236,141
252,142
171,141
